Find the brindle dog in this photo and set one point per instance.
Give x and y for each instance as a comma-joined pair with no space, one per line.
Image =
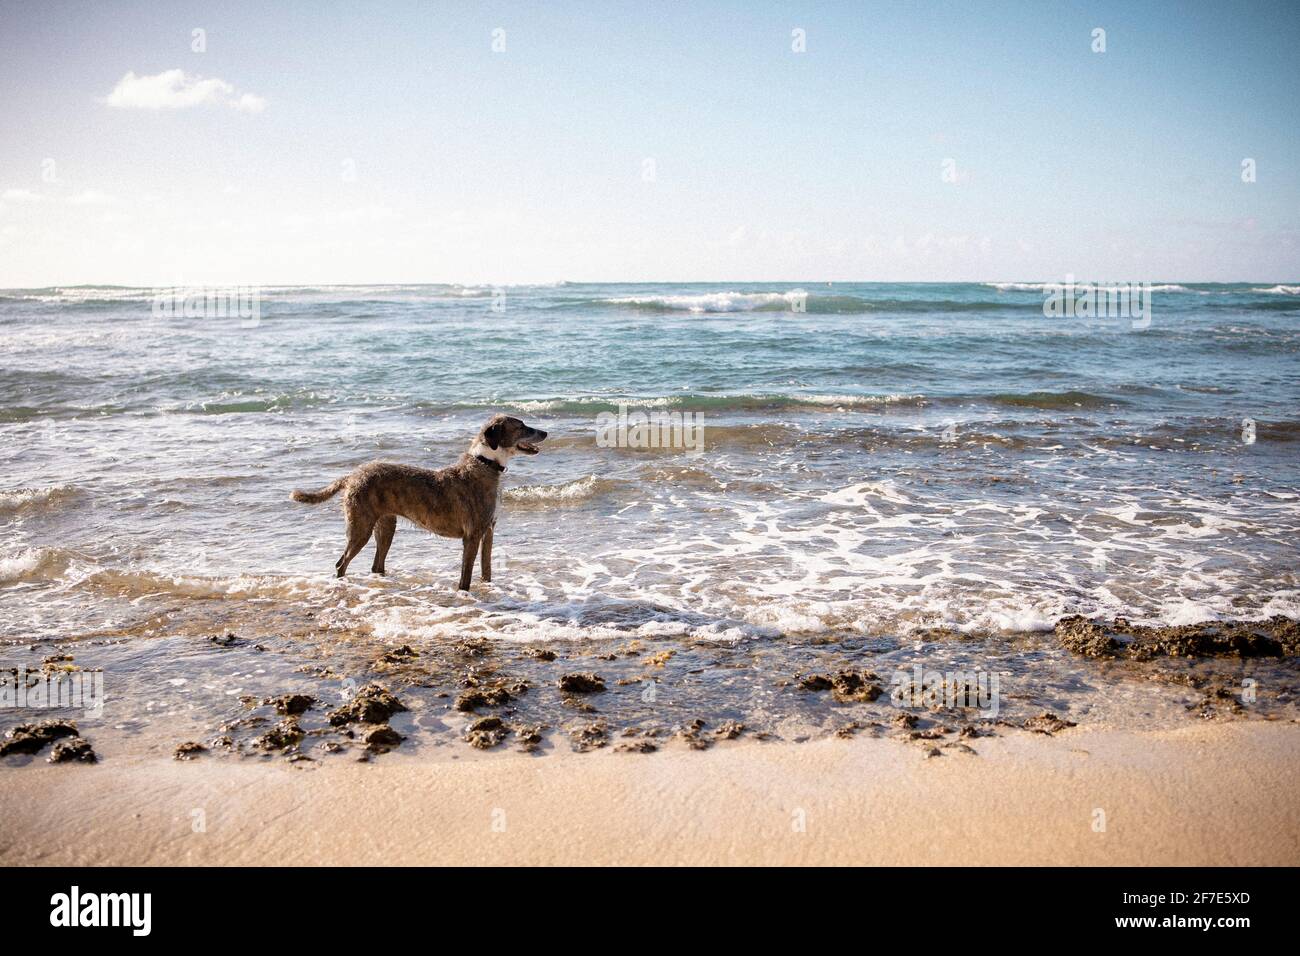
456,502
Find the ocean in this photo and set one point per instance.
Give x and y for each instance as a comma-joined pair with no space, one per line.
879,464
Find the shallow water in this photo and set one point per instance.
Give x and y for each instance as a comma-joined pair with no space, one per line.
896,459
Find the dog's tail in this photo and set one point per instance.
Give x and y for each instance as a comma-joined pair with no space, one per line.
316,497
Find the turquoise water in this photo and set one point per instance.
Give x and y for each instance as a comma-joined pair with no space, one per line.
896,457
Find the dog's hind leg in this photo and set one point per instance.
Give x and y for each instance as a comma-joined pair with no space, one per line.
468,551
487,555
358,535
385,527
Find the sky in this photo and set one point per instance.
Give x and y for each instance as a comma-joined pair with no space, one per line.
319,143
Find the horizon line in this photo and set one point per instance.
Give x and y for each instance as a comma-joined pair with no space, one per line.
564,282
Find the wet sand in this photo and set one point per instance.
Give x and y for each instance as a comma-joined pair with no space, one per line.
1205,794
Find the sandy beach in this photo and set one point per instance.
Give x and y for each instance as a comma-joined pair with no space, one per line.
1205,794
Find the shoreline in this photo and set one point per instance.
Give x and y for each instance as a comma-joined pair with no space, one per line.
1206,794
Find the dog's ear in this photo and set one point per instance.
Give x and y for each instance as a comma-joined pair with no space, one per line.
492,435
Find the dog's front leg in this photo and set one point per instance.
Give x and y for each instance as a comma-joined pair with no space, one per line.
487,555
468,552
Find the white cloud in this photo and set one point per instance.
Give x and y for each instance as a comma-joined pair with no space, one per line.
20,195
372,212
176,90
91,197
250,103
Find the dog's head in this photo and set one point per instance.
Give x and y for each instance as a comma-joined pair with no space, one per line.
507,435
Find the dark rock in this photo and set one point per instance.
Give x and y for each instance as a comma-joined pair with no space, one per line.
1285,631
582,684
847,685
1082,636
486,732
372,704
72,749
1210,639
1047,723
529,736
1272,638
590,737
482,697
729,730
691,733
188,750
383,739
32,738
855,686
282,735
289,704
636,747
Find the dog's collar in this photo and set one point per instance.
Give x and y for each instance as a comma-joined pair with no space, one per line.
491,464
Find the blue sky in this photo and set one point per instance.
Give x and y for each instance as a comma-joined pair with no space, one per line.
367,142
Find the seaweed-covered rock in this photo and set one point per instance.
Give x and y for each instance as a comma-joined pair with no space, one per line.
32,738
582,684
372,704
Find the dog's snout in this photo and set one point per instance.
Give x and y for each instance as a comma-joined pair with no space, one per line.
541,435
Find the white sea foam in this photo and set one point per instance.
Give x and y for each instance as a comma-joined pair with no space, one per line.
858,400
717,301
577,490
34,499
1043,286
20,566
1100,286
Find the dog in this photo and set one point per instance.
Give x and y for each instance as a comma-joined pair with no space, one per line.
455,502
